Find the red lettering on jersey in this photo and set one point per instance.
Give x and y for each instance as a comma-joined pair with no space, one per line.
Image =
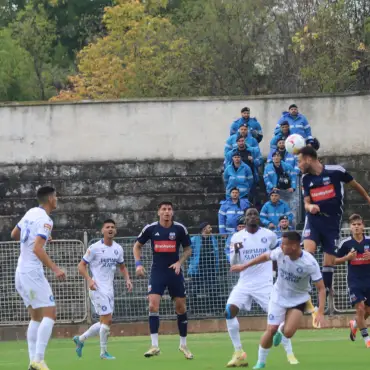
360,260
322,193
165,246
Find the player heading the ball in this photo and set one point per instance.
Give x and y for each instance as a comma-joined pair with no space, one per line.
34,231
165,236
102,257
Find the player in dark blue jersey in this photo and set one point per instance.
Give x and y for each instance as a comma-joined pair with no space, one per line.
323,201
166,237
356,251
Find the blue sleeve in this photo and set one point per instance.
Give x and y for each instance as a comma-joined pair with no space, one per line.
249,176
273,142
264,215
234,127
306,189
343,250
307,129
288,213
254,142
292,175
222,220
228,145
185,237
267,180
145,235
346,177
226,176
258,160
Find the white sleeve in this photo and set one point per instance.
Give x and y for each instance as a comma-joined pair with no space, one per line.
275,254
20,223
232,249
315,272
121,259
44,227
89,255
273,241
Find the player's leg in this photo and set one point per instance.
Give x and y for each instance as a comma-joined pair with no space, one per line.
105,324
359,301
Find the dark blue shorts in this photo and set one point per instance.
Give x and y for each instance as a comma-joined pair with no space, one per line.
357,295
175,284
323,232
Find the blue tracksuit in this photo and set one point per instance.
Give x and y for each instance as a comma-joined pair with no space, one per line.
241,178
229,214
288,158
279,234
231,142
271,178
254,127
297,125
276,138
270,212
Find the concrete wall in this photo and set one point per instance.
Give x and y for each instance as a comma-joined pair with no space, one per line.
168,130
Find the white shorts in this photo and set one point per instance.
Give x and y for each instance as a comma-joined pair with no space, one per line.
103,303
34,289
276,313
242,297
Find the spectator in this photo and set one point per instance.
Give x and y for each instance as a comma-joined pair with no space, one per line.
254,126
298,123
240,226
273,210
282,134
238,175
279,175
288,158
282,228
230,211
243,131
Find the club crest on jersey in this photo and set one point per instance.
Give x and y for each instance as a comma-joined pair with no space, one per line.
172,236
299,270
116,252
271,316
366,247
353,297
326,180
264,240
104,308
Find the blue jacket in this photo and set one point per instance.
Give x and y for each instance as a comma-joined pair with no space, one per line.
196,245
288,158
231,142
270,177
297,125
254,127
270,213
227,247
242,178
279,235
229,214
275,139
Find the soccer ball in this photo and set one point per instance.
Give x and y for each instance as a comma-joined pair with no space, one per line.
294,143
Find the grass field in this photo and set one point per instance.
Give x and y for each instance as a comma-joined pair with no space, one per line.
325,349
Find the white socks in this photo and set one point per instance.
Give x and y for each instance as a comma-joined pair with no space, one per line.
262,354
183,341
104,333
92,331
33,327
233,328
43,336
287,344
154,338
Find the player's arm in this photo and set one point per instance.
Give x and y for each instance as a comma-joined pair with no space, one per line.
256,261
82,269
309,207
185,254
359,188
344,254
16,233
124,271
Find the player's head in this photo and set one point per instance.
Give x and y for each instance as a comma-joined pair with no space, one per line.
47,197
246,112
283,222
356,224
109,229
291,243
306,158
165,211
252,217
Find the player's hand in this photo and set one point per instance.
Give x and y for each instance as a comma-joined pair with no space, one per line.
92,284
250,158
314,208
237,268
290,190
352,255
320,320
50,239
271,225
366,255
59,273
177,267
237,247
129,285
140,271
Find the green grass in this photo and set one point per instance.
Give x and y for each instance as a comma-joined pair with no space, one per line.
320,349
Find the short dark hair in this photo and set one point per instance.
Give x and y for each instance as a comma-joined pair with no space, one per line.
109,221
245,109
165,203
308,151
293,236
234,188
355,217
44,192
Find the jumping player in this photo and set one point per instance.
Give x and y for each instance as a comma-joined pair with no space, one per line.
355,250
33,231
290,292
102,257
323,202
254,283
166,236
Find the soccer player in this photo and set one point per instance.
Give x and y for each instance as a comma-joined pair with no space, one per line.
290,292
33,231
254,284
166,236
355,250
323,202
102,257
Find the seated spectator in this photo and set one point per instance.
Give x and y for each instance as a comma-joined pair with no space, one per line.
243,131
282,134
298,123
254,126
288,158
240,226
282,228
279,175
230,210
238,175
273,210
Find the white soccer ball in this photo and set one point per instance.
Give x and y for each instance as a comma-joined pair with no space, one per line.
294,143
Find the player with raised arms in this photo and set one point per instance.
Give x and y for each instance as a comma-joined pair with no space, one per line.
254,283
323,201
356,251
34,231
166,236
102,257
290,292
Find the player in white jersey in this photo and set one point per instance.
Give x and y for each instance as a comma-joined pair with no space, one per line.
254,284
33,231
290,292
102,257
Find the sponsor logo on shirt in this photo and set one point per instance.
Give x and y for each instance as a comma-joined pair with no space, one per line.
165,246
360,260
172,236
322,193
116,252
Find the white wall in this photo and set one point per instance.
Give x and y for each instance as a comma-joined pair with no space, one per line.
168,129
